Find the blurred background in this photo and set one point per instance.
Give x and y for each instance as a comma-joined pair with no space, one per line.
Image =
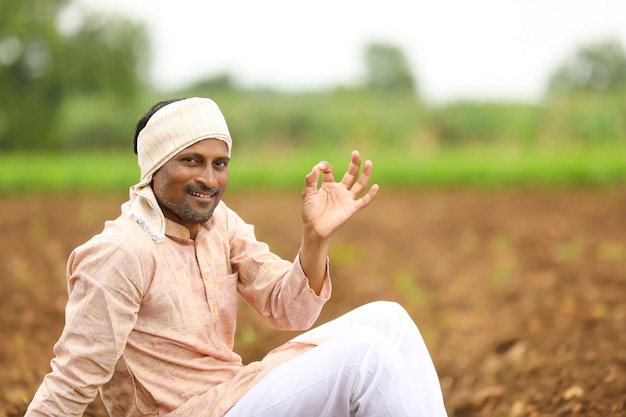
535,88
497,131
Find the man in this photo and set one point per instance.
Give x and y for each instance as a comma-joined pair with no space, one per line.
150,319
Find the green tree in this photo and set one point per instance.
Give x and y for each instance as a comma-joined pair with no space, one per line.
388,70
587,96
209,86
599,66
51,50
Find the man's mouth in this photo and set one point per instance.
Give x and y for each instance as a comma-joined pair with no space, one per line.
204,194
201,195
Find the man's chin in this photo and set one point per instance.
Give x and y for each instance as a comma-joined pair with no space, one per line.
203,208
198,215
201,218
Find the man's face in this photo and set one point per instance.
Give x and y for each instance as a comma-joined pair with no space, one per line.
190,185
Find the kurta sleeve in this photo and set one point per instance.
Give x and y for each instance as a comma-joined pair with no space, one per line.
105,289
277,289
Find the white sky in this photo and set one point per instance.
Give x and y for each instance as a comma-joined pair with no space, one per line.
479,49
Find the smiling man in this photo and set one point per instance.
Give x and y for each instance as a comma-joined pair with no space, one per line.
190,185
151,314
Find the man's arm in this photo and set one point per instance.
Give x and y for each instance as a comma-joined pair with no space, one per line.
99,316
326,208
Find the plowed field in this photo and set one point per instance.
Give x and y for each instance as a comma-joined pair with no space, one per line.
520,295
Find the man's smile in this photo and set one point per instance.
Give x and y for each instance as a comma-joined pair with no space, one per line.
202,195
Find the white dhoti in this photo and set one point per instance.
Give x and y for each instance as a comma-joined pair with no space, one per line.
374,363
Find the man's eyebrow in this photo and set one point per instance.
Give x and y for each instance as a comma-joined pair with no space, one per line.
190,154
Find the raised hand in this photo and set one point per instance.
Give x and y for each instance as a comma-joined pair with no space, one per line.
325,208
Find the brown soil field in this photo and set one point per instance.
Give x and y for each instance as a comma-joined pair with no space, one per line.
520,294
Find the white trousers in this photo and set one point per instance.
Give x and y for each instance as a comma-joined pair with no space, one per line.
375,363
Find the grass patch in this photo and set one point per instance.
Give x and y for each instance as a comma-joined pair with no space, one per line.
47,172
486,167
268,169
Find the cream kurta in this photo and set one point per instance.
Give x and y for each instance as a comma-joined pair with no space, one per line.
152,324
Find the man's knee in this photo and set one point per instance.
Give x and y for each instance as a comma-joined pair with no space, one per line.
385,313
387,308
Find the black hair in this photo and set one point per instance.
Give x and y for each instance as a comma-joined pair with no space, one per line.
144,119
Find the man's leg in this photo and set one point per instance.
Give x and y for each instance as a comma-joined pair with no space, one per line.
393,321
374,363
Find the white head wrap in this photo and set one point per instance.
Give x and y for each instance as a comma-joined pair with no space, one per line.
171,129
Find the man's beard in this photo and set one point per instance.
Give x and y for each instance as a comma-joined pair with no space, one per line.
186,212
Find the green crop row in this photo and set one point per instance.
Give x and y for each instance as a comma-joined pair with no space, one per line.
480,166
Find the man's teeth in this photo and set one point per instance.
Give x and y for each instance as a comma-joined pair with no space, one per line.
201,195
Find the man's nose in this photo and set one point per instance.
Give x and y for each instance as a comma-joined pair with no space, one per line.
207,177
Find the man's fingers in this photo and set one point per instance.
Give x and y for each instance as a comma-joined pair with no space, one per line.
327,171
353,182
323,169
367,198
311,179
364,179
349,178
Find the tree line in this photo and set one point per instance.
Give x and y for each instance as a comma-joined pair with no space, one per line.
71,79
